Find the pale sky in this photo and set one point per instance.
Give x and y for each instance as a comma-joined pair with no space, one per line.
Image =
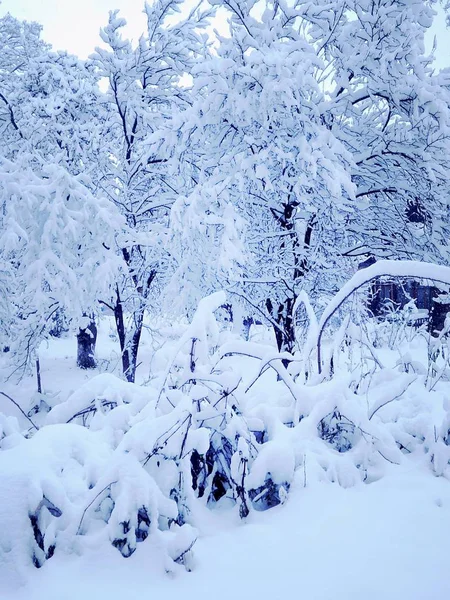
73,25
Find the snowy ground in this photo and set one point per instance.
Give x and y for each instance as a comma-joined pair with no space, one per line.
59,373
383,540
387,540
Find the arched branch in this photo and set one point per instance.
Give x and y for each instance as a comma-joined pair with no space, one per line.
395,269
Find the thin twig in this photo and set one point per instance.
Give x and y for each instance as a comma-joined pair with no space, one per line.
24,413
91,503
396,397
180,557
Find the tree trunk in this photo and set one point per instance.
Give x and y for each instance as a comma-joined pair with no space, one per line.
129,356
285,330
86,340
281,312
130,352
38,376
129,341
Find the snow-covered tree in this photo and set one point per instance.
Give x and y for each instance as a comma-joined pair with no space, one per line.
143,90
318,133
55,240
20,43
50,100
391,112
274,192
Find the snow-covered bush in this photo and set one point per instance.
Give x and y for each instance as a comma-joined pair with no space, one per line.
225,423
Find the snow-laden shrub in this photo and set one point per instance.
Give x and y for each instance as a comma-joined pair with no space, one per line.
338,431
225,423
116,462
67,485
195,440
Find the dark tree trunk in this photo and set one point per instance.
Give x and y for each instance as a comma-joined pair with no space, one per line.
130,352
129,340
38,376
281,312
285,330
86,340
129,343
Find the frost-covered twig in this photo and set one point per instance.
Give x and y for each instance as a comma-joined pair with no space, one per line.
160,445
179,558
396,397
91,503
282,373
93,409
23,412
